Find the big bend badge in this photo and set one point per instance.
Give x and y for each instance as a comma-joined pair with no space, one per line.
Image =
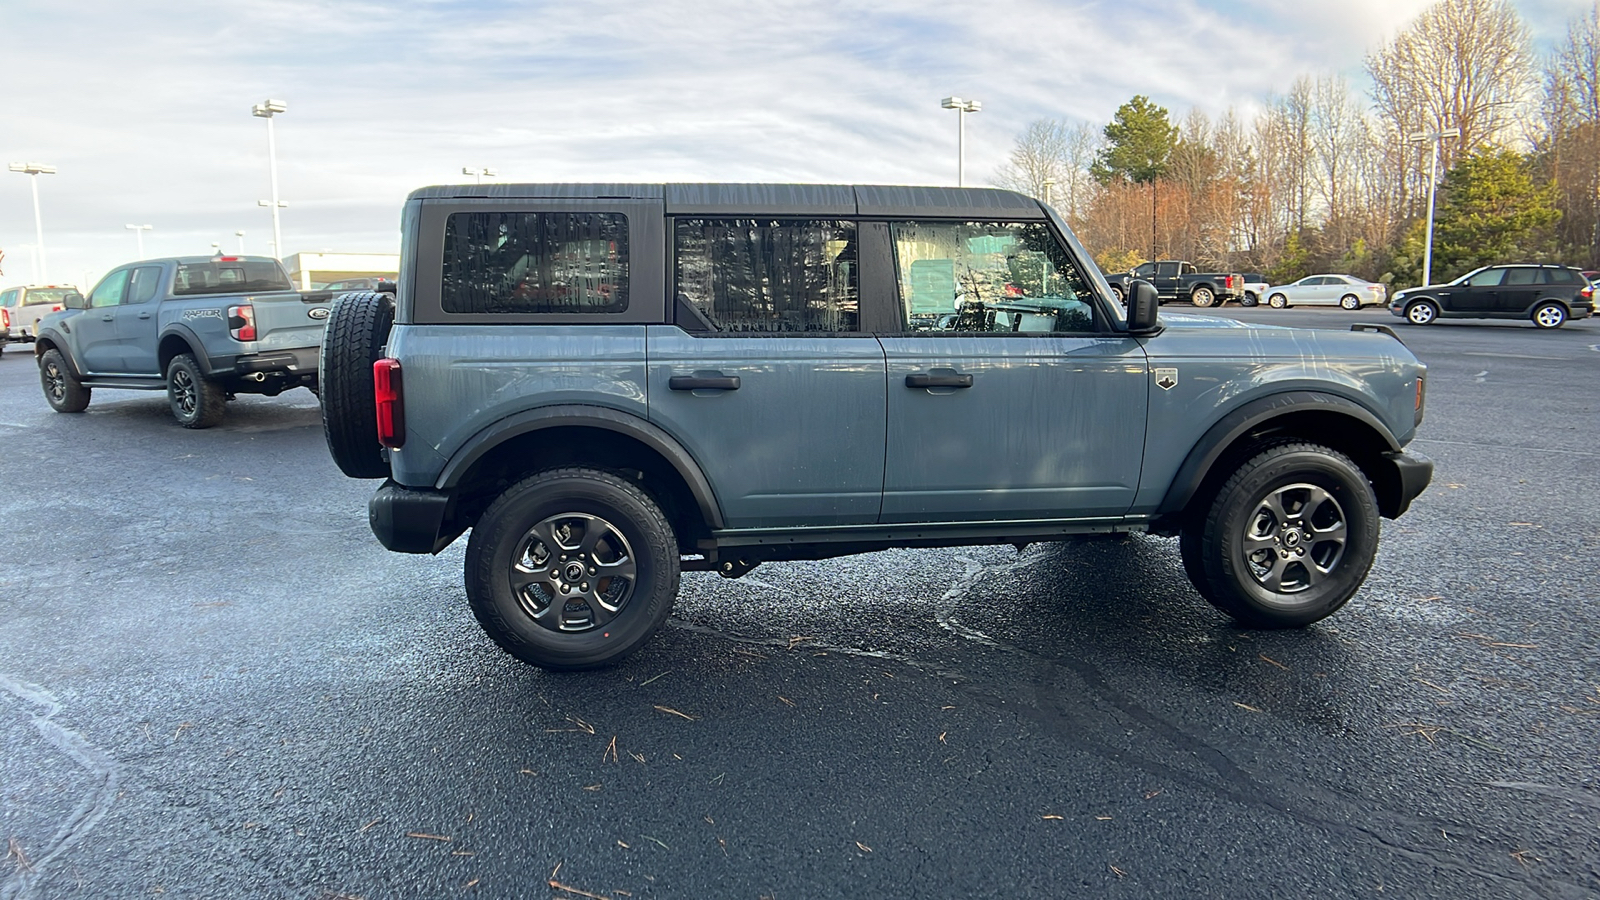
1167,379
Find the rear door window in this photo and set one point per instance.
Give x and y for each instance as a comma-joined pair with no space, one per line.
769,276
535,262
143,287
1521,276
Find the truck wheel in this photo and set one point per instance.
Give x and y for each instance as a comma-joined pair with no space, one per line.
1278,301
196,401
1287,540
64,392
1203,297
358,327
1250,299
1550,315
572,568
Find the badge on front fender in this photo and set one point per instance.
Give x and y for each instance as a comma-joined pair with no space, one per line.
1167,379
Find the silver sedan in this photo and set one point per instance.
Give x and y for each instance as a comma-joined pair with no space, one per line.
1346,291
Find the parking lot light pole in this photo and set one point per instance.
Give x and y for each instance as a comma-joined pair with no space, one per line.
962,107
266,110
34,170
1433,138
139,231
240,236
480,174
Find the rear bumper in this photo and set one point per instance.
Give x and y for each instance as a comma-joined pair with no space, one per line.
411,520
299,361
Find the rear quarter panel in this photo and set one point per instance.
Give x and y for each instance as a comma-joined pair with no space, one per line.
461,379
1220,368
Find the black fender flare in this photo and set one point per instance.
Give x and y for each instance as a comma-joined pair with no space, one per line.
1239,422
59,343
601,417
196,346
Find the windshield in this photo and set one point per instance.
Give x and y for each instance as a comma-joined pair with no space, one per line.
1091,271
230,275
45,295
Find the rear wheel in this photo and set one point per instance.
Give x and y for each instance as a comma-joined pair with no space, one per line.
1350,301
1250,299
1203,297
1422,312
1287,540
572,569
1117,292
196,401
1550,315
1278,301
63,391
358,328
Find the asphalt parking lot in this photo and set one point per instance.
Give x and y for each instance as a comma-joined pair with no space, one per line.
214,682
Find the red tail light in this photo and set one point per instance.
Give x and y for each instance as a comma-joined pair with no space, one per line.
57,308
242,322
1587,293
391,410
5,318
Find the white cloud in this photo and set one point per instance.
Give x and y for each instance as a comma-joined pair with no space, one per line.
145,107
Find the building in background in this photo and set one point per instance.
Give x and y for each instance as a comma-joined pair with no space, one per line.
312,270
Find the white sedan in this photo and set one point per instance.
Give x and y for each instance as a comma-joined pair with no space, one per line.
1347,291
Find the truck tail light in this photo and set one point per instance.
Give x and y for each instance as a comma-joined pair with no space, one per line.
390,407
5,317
242,322
1422,395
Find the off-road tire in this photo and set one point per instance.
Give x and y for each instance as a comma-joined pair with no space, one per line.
62,390
1278,301
1228,575
358,328
1422,312
1549,315
195,401
1350,302
1203,297
502,537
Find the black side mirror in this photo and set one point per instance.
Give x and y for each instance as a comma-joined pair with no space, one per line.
1144,305
75,300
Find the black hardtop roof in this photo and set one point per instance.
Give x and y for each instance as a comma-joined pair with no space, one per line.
768,199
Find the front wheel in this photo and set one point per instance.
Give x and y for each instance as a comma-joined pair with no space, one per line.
1203,297
1350,302
572,569
62,390
196,401
1287,540
1422,312
1550,315
1278,301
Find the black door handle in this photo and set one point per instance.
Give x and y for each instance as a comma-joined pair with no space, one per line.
703,382
931,381
144,315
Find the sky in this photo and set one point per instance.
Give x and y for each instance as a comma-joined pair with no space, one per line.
144,106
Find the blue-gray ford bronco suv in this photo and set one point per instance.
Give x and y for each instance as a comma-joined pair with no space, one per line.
613,383
202,328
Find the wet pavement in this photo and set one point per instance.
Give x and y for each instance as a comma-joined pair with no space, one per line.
214,682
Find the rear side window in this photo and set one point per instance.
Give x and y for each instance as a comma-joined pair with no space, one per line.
535,262
1522,276
143,288
1560,276
230,276
759,275
9,298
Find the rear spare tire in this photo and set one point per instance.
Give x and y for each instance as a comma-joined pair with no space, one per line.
358,328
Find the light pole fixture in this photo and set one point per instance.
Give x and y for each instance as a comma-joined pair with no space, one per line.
34,170
480,174
139,231
1049,192
266,110
1433,138
240,236
962,107
216,248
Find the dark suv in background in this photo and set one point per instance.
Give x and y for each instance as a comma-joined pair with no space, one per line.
1547,295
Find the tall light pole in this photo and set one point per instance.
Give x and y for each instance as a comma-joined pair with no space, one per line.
34,170
962,107
267,110
139,230
480,174
1433,138
1049,192
240,236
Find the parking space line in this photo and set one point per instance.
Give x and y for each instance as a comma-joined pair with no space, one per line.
1514,355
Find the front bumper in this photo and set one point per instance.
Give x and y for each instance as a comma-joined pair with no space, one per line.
411,520
1411,474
